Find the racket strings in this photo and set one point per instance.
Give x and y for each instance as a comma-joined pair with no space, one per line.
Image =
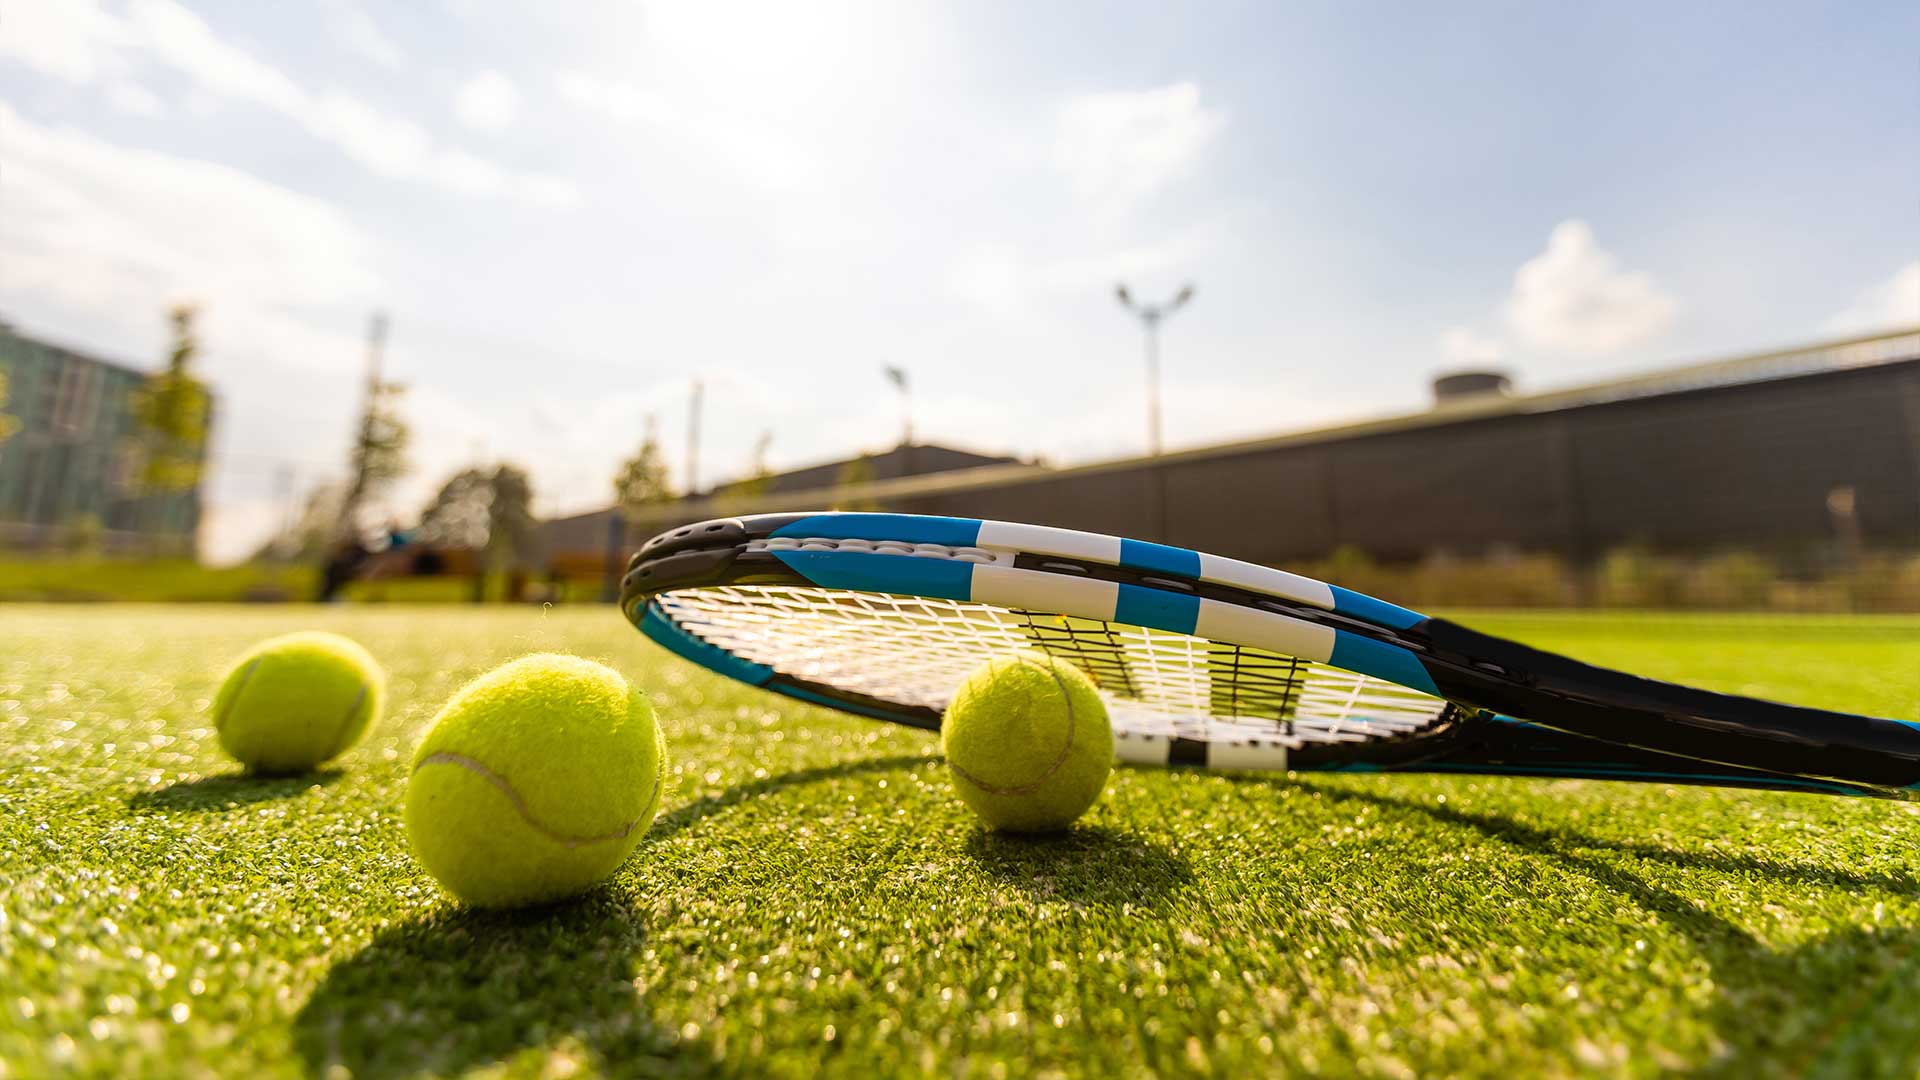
914,651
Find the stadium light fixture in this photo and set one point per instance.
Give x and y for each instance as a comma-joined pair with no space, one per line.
1150,318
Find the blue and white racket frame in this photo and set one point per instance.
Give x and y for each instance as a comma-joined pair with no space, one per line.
1436,696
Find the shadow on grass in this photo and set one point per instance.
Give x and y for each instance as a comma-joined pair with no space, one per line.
1541,839
1559,840
466,990
226,792
1834,1005
700,809
1090,864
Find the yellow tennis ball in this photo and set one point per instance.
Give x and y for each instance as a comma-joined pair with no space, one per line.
294,701
1029,743
535,782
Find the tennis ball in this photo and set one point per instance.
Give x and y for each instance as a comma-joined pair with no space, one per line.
535,781
1029,743
293,701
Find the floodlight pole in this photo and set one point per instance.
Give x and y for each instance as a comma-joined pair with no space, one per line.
1150,318
693,438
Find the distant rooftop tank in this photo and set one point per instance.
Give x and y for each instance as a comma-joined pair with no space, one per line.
1457,386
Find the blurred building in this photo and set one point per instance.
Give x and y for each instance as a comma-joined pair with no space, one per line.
67,475
580,545
1803,454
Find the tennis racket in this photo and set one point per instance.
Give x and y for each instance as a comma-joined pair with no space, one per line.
1205,661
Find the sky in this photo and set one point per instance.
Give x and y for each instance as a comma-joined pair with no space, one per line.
572,211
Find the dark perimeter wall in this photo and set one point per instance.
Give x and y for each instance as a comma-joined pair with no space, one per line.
1744,466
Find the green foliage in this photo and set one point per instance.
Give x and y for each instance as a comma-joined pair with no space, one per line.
92,579
642,482
812,901
379,454
8,423
1633,577
489,510
1734,581
458,514
1629,577
318,525
512,531
83,534
171,413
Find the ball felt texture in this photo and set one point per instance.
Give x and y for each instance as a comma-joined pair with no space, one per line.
1029,743
294,701
535,781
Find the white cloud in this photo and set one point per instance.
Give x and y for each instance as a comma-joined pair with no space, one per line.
184,41
1892,304
1003,278
752,150
72,40
1116,148
1461,345
1573,297
99,239
106,228
488,102
133,99
88,43
353,28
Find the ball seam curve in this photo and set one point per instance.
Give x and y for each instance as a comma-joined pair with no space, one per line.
1058,762
443,757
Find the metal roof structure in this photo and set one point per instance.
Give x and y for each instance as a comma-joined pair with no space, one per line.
1825,356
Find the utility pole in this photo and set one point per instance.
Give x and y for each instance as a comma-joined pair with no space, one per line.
283,478
357,488
693,440
760,448
1150,317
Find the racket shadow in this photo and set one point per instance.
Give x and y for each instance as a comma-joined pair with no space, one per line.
1831,1005
1558,842
1090,864
684,817
465,990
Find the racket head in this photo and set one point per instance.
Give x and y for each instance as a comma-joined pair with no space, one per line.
1205,660
884,615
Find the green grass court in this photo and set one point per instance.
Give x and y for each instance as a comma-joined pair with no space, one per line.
814,899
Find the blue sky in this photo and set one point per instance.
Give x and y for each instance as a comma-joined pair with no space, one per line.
571,210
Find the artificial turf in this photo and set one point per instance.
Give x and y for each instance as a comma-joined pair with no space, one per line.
814,899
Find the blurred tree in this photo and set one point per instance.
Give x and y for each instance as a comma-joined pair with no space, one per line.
488,511
379,449
170,415
512,531
308,537
8,424
378,457
459,512
83,534
379,454
642,482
